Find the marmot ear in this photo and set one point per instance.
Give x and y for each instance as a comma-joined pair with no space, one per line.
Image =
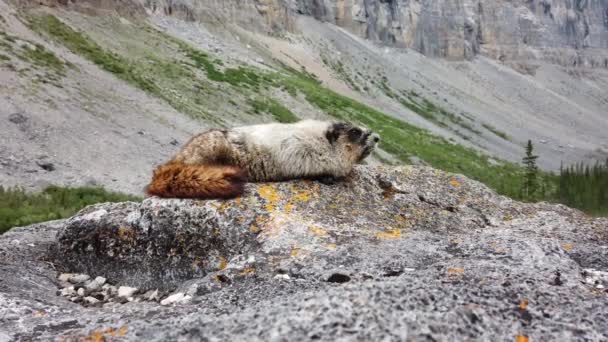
334,131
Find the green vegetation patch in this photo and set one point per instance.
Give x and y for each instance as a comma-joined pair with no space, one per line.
496,131
44,58
585,187
51,68
268,105
19,208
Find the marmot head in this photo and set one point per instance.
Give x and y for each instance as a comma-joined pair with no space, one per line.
357,142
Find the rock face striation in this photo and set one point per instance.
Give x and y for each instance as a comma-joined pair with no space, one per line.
566,32
391,253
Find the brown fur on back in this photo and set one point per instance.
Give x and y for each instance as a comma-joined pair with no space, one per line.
180,180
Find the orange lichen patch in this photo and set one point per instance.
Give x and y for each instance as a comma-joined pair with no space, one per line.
260,220
301,195
223,206
39,313
455,183
246,271
523,305
103,335
568,247
391,234
271,195
455,270
126,233
238,201
223,263
521,338
320,232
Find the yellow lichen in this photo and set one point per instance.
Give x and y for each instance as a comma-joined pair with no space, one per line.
391,234
320,232
126,234
271,195
455,270
247,271
331,246
455,183
568,247
295,252
223,263
253,228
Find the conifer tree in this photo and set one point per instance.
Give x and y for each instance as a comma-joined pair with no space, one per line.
531,173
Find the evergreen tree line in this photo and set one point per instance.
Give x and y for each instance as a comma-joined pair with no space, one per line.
585,187
579,186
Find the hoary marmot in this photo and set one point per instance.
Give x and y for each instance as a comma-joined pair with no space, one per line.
217,163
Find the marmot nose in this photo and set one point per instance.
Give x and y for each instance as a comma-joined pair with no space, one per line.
376,138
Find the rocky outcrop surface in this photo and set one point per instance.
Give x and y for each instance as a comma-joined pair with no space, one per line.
406,253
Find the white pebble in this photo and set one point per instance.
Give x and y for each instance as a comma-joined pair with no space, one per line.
81,292
100,280
126,291
178,298
78,278
65,277
91,300
282,276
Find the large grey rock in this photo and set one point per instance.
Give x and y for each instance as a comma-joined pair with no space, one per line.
392,253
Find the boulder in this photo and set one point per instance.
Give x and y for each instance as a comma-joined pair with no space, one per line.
396,253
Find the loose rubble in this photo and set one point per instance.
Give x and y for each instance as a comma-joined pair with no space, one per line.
80,288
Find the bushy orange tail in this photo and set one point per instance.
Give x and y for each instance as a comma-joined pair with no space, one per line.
180,180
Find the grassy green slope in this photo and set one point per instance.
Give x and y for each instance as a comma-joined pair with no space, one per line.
195,76
18,208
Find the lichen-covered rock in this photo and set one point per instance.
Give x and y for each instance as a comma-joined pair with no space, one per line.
405,253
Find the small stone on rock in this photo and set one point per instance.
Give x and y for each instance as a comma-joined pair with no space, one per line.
78,278
282,276
178,298
81,292
126,291
91,300
17,118
46,166
65,277
100,280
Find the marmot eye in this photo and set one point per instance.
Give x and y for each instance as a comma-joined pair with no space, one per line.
354,134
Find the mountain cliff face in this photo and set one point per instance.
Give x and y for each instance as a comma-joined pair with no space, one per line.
566,32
